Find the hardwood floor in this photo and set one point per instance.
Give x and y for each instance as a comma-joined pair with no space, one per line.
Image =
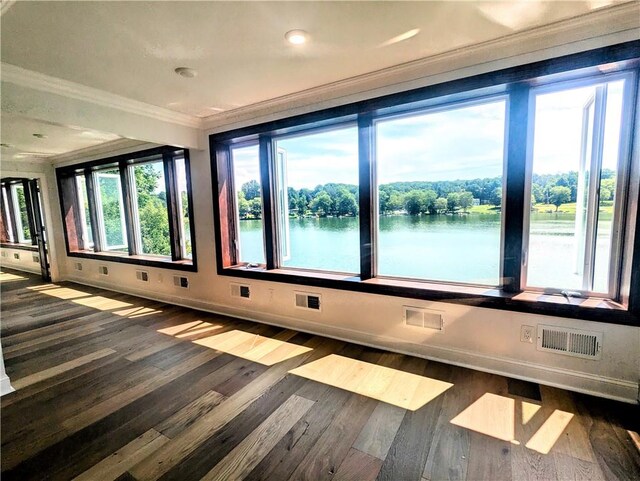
111,386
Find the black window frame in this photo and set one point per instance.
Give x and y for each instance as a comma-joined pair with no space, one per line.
8,208
516,83
69,202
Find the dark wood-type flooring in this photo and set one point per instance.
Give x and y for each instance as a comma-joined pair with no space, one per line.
110,386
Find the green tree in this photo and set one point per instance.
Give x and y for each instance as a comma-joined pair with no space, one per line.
466,200
345,202
496,197
537,193
321,204
396,202
251,189
559,195
255,207
440,205
415,202
243,205
301,205
453,201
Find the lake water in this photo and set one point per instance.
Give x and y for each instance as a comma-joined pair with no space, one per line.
460,248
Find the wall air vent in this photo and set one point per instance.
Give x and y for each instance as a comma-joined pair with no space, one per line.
78,266
36,259
422,317
142,276
570,342
16,256
103,270
4,254
181,281
305,300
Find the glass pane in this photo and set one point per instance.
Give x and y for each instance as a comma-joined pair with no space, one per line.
246,178
151,199
111,210
319,174
22,217
440,193
183,200
7,216
85,216
575,153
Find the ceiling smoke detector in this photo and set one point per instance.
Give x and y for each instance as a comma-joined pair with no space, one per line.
186,72
296,37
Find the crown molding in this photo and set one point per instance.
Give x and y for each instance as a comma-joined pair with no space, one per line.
106,149
65,88
601,27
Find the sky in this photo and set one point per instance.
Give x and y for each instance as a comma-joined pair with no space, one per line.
455,144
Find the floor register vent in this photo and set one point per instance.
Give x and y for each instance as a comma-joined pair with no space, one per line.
570,342
305,300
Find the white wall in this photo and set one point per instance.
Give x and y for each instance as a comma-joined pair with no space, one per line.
482,338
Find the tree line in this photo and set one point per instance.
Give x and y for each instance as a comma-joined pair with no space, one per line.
420,197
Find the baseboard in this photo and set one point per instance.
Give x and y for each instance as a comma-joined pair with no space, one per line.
587,383
5,385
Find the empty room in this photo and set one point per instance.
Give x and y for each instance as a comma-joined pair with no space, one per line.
322,241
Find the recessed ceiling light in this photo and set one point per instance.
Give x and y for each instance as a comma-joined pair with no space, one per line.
186,72
296,37
39,136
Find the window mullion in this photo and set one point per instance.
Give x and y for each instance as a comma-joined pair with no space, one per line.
128,199
30,213
173,206
367,197
267,181
514,201
93,201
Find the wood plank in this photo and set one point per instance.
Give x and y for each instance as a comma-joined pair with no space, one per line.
190,414
186,442
244,457
119,462
358,466
378,434
60,368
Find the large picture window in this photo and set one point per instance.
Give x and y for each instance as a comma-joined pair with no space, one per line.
514,189
136,207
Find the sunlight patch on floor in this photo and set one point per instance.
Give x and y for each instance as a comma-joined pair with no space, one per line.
189,329
544,439
102,303
402,389
492,415
528,411
137,311
62,292
253,347
6,277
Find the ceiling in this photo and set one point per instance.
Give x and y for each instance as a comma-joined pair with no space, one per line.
238,48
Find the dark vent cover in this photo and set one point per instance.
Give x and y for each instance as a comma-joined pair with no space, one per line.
245,292
313,302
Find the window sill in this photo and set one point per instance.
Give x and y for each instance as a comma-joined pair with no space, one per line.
22,247
592,309
147,261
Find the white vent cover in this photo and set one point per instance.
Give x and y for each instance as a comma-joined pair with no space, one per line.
423,317
142,276
4,254
308,300
78,266
103,270
571,342
181,281
240,290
